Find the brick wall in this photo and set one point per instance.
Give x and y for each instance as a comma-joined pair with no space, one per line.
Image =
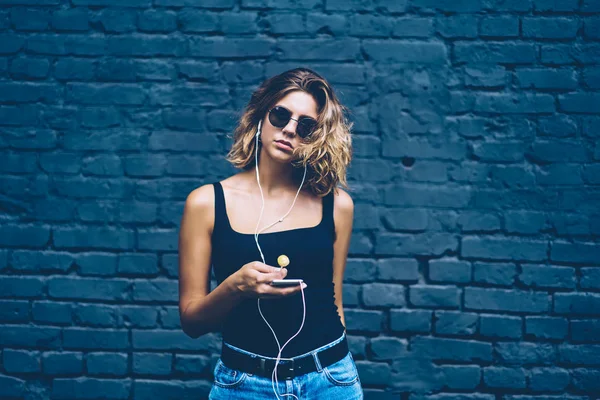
474,270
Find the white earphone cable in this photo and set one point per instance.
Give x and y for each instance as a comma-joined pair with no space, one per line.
274,380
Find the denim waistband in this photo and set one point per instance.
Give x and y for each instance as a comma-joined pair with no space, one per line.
326,346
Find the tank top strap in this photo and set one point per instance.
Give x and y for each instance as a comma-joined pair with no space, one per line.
328,213
220,211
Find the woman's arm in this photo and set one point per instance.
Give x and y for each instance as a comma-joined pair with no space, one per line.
343,213
200,311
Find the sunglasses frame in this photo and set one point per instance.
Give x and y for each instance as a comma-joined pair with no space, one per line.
298,122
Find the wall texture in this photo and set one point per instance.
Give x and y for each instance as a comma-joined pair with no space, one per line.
475,263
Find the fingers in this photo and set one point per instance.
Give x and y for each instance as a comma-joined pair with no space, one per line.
264,268
268,278
274,292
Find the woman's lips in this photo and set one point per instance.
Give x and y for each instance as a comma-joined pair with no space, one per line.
284,145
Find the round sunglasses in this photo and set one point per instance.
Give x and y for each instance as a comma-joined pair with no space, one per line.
280,116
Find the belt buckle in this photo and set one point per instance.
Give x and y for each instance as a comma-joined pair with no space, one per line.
288,368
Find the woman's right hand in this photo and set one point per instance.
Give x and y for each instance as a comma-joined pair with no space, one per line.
254,280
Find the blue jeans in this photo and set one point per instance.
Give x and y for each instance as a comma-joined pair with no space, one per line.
338,381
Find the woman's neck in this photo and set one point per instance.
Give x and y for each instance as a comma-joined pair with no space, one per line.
275,178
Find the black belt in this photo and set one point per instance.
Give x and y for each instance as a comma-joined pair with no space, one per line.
287,368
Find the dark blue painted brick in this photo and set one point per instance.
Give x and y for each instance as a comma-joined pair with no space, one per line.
590,278
29,68
14,311
79,338
412,27
95,315
512,353
452,349
556,6
455,323
192,364
372,373
458,26
21,287
577,303
27,19
587,253
357,345
505,378
544,78
139,317
501,274
585,330
504,248
52,313
157,21
138,264
410,320
97,263
500,326
396,269
152,363
461,376
360,270
398,219
30,336
116,21
63,363
109,364
499,27
548,379
579,354
559,175
175,340
363,320
448,270
549,28
41,261
351,295
587,380
506,300
383,295
434,296
507,5
25,236
388,348
164,290
75,19
546,327
21,361
541,276
90,388
11,387
474,221
88,288
74,69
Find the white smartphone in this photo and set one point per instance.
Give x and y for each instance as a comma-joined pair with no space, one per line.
286,282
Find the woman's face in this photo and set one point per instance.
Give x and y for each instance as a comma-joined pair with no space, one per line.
279,143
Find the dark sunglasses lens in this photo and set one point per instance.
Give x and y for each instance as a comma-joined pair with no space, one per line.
306,127
279,117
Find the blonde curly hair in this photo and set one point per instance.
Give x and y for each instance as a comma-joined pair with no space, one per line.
328,150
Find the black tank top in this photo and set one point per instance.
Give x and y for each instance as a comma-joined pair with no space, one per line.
310,251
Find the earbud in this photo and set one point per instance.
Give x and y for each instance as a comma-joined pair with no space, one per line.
258,130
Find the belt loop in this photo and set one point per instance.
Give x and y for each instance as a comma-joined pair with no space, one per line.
317,361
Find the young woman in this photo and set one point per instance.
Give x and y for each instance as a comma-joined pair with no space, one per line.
282,217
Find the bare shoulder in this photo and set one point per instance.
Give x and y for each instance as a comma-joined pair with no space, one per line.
342,202
201,199
199,207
